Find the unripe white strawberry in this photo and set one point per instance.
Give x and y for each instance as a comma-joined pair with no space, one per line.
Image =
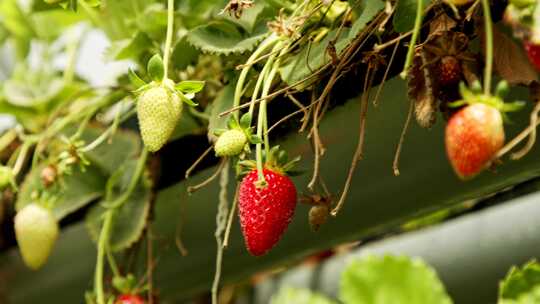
158,111
36,231
230,143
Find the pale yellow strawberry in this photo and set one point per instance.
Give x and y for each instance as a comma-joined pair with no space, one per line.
230,143
158,111
36,231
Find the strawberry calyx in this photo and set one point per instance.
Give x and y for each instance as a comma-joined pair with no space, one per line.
185,90
243,147
475,95
277,161
125,284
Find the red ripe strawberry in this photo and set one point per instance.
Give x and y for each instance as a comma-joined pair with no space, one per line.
129,299
533,52
265,212
473,136
450,71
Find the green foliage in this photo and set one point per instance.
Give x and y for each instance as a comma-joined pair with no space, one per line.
405,14
299,296
224,37
388,279
130,218
521,285
379,280
223,102
73,192
311,58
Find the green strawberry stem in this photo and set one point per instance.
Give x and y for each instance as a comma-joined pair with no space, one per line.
221,225
268,42
104,236
112,263
132,183
489,46
259,83
416,32
262,123
109,132
168,40
21,157
103,242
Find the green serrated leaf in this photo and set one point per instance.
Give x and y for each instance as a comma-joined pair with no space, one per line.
190,86
299,296
314,56
224,37
405,15
129,219
302,66
389,279
519,282
155,68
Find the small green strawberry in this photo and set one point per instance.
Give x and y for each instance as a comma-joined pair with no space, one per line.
230,143
158,111
236,139
36,231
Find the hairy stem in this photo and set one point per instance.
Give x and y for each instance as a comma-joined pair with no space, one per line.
489,46
415,33
221,222
168,41
243,74
103,242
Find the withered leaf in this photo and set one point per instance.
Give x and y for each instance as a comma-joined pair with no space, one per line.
441,23
421,92
510,61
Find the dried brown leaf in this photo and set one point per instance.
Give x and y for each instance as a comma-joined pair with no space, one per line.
510,61
421,92
441,23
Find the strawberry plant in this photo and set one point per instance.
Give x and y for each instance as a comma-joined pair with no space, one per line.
159,124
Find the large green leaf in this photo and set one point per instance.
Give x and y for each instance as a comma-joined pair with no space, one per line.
76,190
371,9
224,37
313,57
389,279
130,48
18,24
521,284
299,296
223,102
112,154
130,218
52,23
183,54
405,15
